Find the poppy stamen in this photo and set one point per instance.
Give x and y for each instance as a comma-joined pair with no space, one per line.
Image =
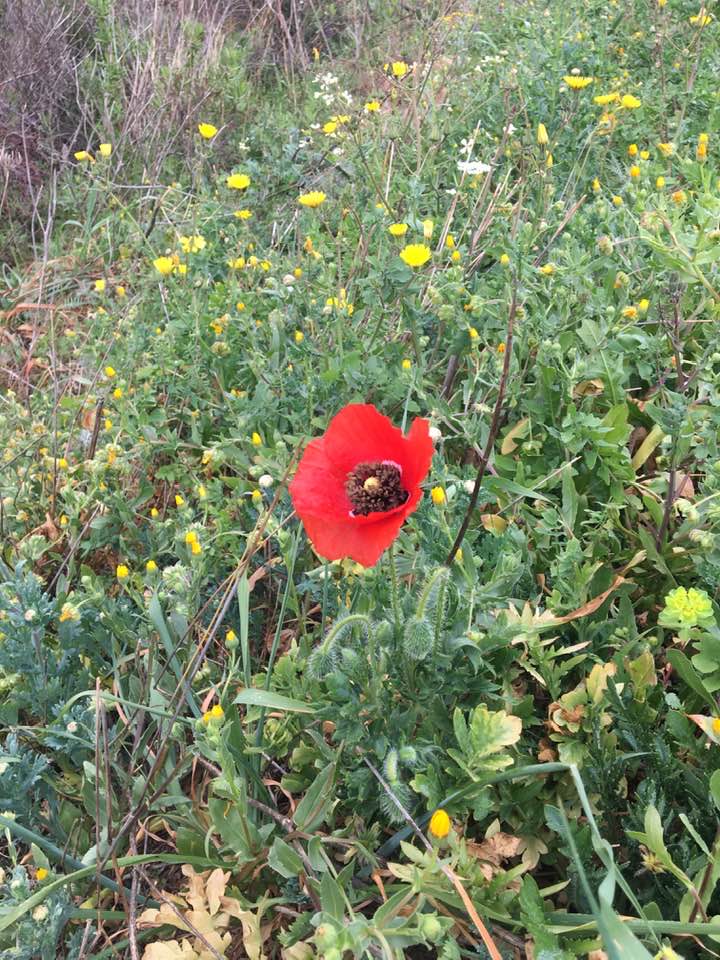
375,487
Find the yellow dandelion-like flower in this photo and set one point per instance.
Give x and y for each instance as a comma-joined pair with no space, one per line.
437,495
372,106
666,149
542,135
238,181
243,214
415,254
105,150
398,229
577,83
399,69
603,99
629,102
406,364
151,566
207,130
440,824
312,199
164,265
122,572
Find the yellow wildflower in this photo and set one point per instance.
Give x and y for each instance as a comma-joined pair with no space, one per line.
312,199
440,824
630,102
406,364
437,495
603,99
238,181
415,254
256,439
398,229
372,106
207,130
151,566
577,83
122,572
105,149
687,608
399,69
100,286
192,244
164,265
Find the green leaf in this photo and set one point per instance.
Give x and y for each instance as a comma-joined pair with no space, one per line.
284,860
686,672
715,788
331,898
317,802
251,697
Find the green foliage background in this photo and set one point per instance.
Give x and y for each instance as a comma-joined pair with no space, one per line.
539,689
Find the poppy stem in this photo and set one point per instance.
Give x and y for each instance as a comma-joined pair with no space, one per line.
492,435
394,591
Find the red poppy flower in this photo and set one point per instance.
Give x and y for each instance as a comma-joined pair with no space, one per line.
357,483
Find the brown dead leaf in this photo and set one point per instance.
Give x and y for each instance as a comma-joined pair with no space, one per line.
546,753
588,388
492,852
592,605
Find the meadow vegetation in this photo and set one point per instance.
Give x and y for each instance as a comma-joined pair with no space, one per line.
359,485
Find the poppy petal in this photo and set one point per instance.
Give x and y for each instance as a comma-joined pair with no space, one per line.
359,433
418,452
317,489
363,543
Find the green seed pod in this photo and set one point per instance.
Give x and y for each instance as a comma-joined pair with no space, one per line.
384,632
418,639
391,766
321,662
430,927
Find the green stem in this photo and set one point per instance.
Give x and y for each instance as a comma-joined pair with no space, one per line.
394,591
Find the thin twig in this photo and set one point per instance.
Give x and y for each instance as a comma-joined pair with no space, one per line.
447,870
492,435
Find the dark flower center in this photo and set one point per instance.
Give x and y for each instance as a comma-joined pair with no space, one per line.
375,487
